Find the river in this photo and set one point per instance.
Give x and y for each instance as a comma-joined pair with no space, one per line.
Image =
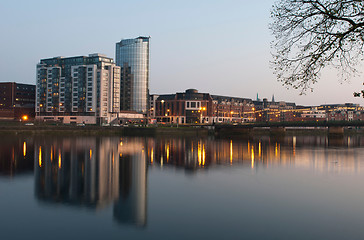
293,187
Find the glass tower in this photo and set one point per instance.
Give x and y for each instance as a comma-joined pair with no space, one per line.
132,55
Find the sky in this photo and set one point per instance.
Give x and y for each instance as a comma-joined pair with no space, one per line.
218,47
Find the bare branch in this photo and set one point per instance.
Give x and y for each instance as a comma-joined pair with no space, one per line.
313,34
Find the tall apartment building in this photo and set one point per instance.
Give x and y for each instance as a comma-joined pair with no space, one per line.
78,89
132,55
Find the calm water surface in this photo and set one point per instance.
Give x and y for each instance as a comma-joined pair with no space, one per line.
300,187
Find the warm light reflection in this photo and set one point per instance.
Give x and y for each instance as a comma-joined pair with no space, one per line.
151,156
90,153
260,149
294,145
203,155
24,149
51,153
199,154
252,156
40,157
276,150
231,152
121,143
167,153
59,159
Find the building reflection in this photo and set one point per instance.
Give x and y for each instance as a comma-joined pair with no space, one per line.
112,172
93,173
259,152
16,156
131,206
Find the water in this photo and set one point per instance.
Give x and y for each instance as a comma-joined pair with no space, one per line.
300,187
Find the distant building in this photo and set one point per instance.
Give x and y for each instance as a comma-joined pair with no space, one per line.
273,111
132,55
193,107
78,89
152,105
314,114
233,109
17,101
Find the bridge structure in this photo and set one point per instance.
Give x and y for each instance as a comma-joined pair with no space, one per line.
333,127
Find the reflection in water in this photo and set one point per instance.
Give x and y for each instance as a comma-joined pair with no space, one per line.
16,156
319,153
132,202
93,173
99,172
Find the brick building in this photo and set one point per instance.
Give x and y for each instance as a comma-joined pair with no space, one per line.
17,101
193,107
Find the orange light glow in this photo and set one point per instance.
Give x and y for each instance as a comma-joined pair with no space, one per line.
51,153
167,153
90,153
25,117
40,157
24,149
252,156
203,155
231,152
151,156
59,160
199,154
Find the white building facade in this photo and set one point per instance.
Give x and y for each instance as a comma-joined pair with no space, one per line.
78,90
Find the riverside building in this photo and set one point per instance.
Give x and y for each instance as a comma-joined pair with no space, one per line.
17,101
132,55
78,89
192,107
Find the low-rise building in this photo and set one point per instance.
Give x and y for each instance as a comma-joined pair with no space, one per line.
192,107
17,101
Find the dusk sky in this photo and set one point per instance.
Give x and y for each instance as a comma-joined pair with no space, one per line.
219,47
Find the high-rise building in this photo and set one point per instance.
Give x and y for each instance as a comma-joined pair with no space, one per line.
78,89
132,55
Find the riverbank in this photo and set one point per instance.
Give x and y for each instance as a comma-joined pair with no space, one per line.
198,131
100,131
